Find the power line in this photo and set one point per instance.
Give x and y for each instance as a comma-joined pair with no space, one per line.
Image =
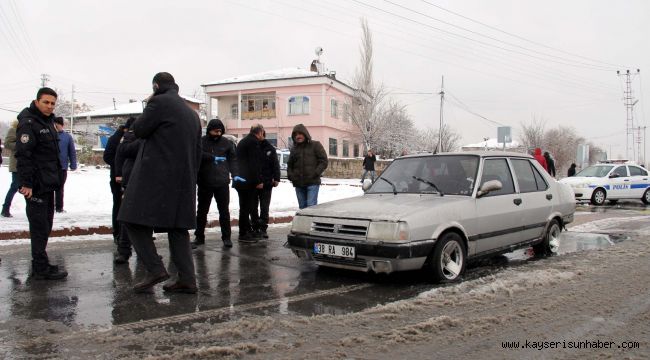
517,36
14,111
463,106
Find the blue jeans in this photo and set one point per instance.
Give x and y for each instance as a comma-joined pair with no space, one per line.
13,188
307,195
372,175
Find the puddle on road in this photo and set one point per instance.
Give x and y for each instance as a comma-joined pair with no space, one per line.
571,242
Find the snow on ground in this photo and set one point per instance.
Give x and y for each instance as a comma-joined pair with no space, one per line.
88,200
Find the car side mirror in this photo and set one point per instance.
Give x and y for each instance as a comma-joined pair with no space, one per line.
613,176
367,183
488,186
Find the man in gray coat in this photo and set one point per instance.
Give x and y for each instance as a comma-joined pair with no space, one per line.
162,188
10,145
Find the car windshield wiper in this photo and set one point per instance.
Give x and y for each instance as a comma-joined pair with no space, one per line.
391,184
429,183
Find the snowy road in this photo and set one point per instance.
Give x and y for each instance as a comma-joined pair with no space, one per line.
258,301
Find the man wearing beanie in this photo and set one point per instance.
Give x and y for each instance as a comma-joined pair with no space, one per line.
218,162
161,193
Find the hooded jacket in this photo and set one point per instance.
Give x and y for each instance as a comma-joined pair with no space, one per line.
307,161
214,174
37,151
550,163
10,145
540,158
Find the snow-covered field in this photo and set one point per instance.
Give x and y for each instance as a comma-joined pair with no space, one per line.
88,200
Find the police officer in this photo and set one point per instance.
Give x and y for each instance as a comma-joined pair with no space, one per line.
38,165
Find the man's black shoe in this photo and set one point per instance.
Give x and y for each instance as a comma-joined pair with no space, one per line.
249,238
51,273
227,243
6,214
264,234
149,281
179,287
198,240
120,259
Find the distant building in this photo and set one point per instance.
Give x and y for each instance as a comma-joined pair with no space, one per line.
97,126
280,99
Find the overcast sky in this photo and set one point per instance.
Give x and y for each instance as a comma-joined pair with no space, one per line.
505,60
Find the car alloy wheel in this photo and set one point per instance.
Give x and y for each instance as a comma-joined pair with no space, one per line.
551,243
598,198
448,259
646,197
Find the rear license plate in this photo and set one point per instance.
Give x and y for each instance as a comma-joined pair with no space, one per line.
334,250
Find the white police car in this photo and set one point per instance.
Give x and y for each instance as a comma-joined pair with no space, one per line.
612,182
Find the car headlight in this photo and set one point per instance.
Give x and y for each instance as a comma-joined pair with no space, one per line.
301,224
388,231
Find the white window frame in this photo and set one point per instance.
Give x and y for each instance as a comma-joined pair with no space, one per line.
334,108
306,105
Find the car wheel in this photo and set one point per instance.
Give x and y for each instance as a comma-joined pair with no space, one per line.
598,197
447,262
646,197
551,242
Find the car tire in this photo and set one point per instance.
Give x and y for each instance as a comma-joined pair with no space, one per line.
646,197
598,197
447,262
551,242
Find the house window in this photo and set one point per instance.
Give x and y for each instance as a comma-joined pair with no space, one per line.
298,105
333,147
346,148
346,112
356,150
334,105
258,106
272,138
234,111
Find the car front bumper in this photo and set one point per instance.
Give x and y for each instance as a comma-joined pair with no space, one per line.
376,257
583,193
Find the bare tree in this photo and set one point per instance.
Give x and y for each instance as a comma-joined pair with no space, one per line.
428,139
562,143
532,134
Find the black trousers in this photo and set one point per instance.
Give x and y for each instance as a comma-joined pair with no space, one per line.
58,194
116,190
180,251
247,210
40,214
221,195
264,201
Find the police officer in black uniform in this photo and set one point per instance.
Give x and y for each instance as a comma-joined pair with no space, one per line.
38,164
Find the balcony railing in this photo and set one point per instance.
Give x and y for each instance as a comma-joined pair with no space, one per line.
259,114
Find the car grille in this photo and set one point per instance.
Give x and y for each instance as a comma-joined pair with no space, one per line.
341,261
342,229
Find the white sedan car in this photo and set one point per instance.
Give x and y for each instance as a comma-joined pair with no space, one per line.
612,182
437,212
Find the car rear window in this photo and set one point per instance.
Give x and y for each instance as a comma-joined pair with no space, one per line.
637,171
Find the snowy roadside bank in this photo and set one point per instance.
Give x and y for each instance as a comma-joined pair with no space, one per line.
88,203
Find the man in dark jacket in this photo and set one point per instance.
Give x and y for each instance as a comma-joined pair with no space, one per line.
550,163
218,162
68,157
249,158
38,165
270,173
116,189
10,147
369,166
162,189
125,156
307,162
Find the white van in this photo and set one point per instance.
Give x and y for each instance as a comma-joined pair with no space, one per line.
283,159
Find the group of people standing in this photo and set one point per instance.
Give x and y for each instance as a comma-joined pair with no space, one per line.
157,163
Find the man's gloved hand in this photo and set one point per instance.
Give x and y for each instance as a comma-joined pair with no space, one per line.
238,179
218,159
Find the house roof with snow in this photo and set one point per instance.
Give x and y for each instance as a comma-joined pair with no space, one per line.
132,108
275,78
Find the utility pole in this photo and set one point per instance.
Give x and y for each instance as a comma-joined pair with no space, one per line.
114,107
72,113
44,79
442,101
629,102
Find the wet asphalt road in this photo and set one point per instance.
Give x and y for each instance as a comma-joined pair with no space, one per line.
257,278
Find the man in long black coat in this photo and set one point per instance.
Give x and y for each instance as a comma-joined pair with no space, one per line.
249,158
162,189
116,189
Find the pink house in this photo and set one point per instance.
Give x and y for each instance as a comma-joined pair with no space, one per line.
279,100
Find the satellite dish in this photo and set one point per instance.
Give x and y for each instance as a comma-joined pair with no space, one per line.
318,50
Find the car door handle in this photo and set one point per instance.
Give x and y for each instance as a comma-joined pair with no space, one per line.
626,180
517,201
549,196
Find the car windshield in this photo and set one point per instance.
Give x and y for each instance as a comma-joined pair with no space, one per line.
595,171
446,174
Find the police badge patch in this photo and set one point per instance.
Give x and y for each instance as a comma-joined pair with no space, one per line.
24,139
